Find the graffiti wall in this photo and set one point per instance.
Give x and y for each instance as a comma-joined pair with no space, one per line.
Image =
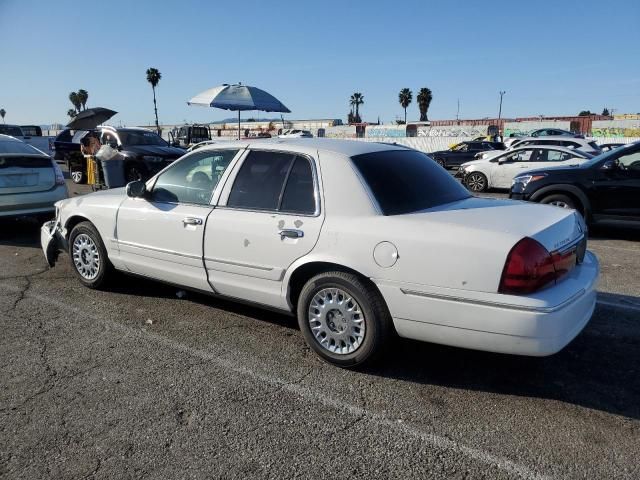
453,131
525,128
386,131
616,128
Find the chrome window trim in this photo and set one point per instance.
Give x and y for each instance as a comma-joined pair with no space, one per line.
316,185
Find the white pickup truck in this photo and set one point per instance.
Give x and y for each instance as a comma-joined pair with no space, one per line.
31,134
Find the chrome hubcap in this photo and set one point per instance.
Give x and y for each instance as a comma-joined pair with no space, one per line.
560,204
86,257
76,176
475,182
336,321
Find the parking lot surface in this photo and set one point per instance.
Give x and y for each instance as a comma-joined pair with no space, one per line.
135,382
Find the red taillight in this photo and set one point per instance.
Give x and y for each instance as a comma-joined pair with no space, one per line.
530,267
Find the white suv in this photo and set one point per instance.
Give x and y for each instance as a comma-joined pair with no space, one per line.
581,144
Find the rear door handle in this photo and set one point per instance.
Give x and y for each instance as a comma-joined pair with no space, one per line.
192,221
291,233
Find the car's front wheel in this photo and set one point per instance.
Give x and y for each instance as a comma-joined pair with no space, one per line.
562,201
476,182
89,256
343,318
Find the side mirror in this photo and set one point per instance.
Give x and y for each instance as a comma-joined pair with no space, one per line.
503,160
136,189
609,165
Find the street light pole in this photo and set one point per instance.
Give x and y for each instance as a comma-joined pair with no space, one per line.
501,92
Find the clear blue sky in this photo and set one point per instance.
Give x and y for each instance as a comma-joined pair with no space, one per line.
552,57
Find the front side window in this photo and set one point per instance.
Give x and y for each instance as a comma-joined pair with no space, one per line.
463,147
193,179
406,181
276,181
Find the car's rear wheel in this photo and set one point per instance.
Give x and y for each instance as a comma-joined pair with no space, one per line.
343,318
476,182
559,200
89,256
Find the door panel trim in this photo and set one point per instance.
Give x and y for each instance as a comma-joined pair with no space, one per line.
159,250
238,264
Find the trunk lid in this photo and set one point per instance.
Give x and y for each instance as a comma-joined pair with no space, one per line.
475,235
26,174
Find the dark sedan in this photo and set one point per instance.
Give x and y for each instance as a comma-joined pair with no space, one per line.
604,189
463,152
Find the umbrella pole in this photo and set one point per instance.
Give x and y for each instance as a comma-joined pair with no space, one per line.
238,124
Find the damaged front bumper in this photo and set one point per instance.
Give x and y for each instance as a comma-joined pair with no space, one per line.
52,241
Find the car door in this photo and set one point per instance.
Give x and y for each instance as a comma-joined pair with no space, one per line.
617,190
509,166
268,216
161,235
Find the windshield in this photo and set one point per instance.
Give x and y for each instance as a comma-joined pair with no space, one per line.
405,181
12,146
140,137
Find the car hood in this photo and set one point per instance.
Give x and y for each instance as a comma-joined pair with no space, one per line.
154,150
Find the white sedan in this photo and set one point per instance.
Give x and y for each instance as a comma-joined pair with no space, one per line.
359,240
499,171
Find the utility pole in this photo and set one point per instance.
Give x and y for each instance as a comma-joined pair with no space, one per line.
501,92
458,111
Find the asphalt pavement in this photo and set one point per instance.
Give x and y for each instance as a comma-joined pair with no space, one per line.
135,382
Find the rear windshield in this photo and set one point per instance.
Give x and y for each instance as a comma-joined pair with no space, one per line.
405,181
10,130
12,146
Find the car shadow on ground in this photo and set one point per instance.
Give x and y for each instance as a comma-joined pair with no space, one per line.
600,369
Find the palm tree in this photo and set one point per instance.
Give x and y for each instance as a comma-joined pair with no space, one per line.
3,112
355,101
75,100
405,96
424,100
72,113
83,96
153,77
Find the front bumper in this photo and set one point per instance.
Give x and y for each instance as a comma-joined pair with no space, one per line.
540,324
460,173
52,241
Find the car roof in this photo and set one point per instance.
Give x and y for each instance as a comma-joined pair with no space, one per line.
548,147
554,138
348,148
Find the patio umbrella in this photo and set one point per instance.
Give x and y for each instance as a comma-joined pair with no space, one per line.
90,118
239,98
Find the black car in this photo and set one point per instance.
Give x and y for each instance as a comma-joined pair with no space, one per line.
604,188
463,152
145,153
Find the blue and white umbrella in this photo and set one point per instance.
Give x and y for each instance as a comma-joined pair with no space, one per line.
238,98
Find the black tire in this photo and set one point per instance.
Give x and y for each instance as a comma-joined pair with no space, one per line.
378,326
476,182
104,270
134,172
559,200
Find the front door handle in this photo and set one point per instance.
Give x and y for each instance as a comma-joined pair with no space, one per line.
192,221
291,233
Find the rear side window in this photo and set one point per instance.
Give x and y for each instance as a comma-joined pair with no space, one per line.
405,181
274,181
